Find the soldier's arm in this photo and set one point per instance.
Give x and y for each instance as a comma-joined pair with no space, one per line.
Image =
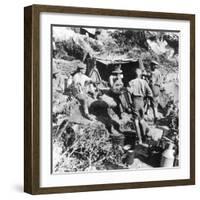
149,92
129,87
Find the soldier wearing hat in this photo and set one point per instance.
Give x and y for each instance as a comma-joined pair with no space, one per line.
82,84
155,84
139,90
116,75
156,78
116,84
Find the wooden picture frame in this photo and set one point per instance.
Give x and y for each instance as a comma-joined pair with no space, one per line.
32,104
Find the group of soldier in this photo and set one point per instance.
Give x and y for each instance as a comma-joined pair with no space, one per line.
142,91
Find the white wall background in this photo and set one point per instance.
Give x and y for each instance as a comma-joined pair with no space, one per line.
11,101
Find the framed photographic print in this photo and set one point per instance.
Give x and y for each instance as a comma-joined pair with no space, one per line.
109,99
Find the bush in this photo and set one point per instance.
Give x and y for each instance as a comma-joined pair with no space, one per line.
87,149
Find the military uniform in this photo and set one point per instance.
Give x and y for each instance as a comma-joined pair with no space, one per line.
139,89
81,84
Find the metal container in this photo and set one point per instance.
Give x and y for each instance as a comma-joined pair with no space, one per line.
167,159
130,157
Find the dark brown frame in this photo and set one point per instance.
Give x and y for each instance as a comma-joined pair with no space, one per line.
32,105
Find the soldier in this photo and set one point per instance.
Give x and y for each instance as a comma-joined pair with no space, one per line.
115,93
116,75
139,89
155,84
82,84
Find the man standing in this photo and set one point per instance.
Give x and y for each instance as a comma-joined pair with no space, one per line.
82,84
139,89
155,84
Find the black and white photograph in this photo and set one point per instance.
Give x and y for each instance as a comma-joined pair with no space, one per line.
114,99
